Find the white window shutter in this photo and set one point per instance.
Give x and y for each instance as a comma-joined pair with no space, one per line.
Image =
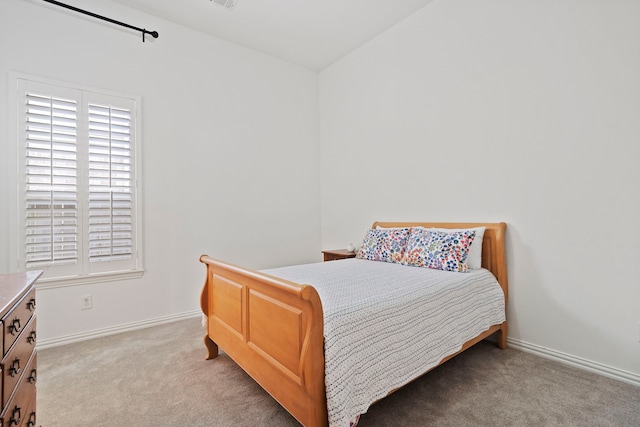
110,184
50,191
78,217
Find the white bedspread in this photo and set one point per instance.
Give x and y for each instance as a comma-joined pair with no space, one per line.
386,324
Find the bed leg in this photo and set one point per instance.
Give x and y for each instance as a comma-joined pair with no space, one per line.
212,348
502,336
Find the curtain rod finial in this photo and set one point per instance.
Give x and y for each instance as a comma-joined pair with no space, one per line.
152,33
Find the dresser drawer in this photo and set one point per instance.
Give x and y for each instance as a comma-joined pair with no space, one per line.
17,318
21,408
15,361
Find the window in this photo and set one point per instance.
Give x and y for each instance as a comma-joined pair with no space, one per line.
78,190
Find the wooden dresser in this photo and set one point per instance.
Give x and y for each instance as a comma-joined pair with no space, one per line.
19,374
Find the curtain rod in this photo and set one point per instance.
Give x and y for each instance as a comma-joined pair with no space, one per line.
104,18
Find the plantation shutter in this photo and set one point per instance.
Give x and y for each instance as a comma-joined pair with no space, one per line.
78,219
50,191
110,183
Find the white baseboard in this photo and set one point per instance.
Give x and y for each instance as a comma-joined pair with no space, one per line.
68,339
576,362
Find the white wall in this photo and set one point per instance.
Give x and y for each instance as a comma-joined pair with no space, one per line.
523,112
230,154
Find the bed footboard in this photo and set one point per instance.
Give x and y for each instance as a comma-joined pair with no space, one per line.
273,329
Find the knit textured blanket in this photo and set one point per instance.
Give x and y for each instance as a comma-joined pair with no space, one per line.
385,324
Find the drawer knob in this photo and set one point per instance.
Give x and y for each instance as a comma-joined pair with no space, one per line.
31,338
31,304
33,377
14,369
15,413
32,420
15,327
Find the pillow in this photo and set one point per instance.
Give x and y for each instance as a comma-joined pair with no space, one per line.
384,245
438,250
474,258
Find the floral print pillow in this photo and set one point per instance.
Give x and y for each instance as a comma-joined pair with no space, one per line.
438,249
384,245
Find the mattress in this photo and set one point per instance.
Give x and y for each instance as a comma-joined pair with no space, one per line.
385,324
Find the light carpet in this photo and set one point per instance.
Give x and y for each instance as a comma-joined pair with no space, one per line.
158,377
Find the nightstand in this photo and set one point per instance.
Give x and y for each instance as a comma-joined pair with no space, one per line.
338,254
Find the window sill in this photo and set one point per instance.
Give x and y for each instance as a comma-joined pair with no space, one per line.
63,282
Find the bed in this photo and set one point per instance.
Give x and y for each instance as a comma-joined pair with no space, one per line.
274,327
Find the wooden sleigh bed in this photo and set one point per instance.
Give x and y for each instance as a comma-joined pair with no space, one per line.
273,328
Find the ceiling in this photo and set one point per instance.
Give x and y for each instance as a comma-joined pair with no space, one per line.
310,33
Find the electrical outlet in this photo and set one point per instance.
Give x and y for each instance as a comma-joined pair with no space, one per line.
86,302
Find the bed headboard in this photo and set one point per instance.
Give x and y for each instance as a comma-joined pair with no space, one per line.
493,250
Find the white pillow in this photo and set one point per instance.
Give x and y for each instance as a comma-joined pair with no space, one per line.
474,258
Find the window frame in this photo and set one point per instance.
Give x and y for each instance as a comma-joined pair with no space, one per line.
83,273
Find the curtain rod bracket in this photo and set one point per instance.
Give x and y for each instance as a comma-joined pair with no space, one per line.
104,18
